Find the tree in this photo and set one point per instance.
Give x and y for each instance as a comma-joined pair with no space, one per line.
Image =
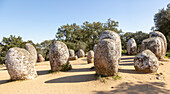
162,23
84,36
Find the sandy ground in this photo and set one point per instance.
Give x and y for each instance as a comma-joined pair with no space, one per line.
82,80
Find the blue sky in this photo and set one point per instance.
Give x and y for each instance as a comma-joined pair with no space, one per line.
38,20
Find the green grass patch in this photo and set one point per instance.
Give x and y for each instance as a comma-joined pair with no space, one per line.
117,77
167,54
66,67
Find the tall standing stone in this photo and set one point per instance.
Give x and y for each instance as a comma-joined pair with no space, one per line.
20,63
155,44
146,61
108,53
159,34
58,55
131,46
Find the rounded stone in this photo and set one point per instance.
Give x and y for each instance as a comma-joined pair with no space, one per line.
31,49
107,57
40,58
146,61
131,46
20,64
80,53
108,34
155,44
159,34
58,55
90,57
71,53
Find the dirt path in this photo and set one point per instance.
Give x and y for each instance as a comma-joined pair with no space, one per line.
82,80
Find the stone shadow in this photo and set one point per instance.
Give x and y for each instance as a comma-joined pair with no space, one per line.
127,58
74,79
43,72
81,70
131,71
139,88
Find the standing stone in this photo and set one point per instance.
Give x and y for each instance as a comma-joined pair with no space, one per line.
107,57
40,58
31,49
94,48
146,61
58,55
108,34
20,64
71,53
90,57
131,46
80,53
155,44
159,34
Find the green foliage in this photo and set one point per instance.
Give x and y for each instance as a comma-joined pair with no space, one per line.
168,54
124,51
84,36
116,77
99,77
162,23
66,67
8,43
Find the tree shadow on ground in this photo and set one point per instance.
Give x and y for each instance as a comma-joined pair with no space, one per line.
131,71
73,79
43,72
81,70
138,88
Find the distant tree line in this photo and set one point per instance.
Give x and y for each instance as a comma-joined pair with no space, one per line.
86,36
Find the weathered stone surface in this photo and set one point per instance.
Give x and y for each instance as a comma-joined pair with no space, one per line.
58,55
90,57
146,61
155,44
131,46
107,57
20,64
71,53
40,58
80,53
31,49
108,34
159,34
94,48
